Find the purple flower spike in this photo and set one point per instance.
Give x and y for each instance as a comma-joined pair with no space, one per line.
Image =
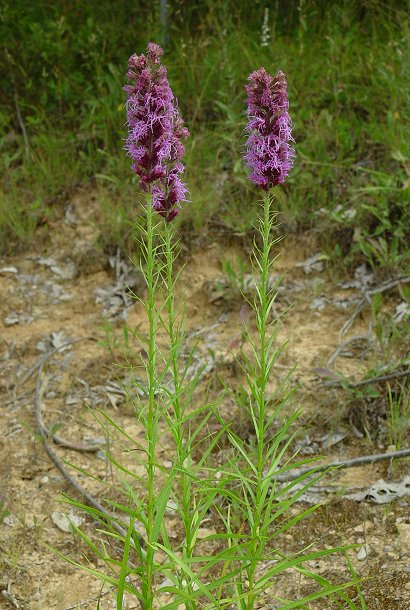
155,131
268,152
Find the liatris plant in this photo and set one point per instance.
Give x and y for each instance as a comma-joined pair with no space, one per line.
163,400
263,505
155,131
255,510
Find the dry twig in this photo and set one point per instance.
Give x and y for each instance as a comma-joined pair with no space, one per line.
366,299
345,344
359,461
89,499
85,448
380,379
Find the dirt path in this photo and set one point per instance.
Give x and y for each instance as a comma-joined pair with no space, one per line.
70,292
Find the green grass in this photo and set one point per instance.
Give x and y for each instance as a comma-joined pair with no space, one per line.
349,89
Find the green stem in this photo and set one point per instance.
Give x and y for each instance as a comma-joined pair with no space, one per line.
182,451
152,422
263,328
262,307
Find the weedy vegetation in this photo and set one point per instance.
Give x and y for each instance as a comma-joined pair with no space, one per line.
62,129
61,123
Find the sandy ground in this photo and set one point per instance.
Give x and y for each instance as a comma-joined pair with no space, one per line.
69,291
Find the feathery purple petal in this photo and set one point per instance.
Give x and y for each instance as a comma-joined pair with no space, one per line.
155,131
269,153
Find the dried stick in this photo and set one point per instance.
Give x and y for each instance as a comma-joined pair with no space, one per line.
47,356
89,499
85,448
343,345
364,382
366,298
364,459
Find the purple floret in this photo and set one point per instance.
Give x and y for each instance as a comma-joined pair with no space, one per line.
268,152
155,131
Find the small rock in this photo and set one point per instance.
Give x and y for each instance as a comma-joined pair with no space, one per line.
10,520
402,312
171,508
318,304
17,318
314,263
404,536
46,261
101,455
45,479
388,549
366,526
333,438
66,272
12,319
363,552
69,215
65,523
204,532
7,594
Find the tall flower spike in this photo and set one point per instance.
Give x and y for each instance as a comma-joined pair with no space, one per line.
155,131
268,151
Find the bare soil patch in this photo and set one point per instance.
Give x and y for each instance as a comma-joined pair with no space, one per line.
71,291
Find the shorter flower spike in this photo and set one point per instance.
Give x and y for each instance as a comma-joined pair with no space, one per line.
155,131
268,152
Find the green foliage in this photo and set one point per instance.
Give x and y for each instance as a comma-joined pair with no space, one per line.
398,419
384,391
232,564
62,118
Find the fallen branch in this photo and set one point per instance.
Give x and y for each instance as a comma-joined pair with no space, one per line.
89,499
32,370
366,298
345,344
359,461
85,448
359,384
